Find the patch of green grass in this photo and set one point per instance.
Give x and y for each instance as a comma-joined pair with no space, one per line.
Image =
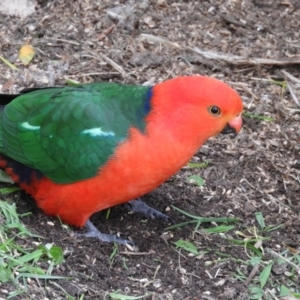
19,263
198,221
261,282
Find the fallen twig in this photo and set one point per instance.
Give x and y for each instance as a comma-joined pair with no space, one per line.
294,80
108,60
273,253
62,40
293,95
252,274
227,57
290,76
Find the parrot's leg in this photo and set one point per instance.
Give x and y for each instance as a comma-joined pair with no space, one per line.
139,206
92,231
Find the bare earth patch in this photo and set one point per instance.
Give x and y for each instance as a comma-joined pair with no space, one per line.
258,171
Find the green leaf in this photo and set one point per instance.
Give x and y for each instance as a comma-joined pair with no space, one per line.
254,116
248,244
108,212
5,191
219,229
35,255
114,252
8,63
197,165
35,271
196,180
284,291
57,254
187,246
124,263
53,252
265,274
181,224
72,82
256,293
277,82
255,260
260,220
297,258
206,220
4,276
273,227
4,177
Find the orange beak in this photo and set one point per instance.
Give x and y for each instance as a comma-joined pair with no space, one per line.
234,125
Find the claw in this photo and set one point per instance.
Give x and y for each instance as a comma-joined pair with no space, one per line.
92,231
139,206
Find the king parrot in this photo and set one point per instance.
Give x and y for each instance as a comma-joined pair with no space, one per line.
80,149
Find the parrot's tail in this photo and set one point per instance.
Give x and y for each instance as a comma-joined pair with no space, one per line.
6,98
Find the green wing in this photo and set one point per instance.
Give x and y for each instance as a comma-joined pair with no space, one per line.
67,133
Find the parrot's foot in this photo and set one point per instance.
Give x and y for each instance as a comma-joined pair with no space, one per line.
139,206
92,231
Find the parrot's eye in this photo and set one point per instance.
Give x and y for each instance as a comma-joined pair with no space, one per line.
214,110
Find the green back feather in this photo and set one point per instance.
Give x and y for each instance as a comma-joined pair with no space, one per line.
67,133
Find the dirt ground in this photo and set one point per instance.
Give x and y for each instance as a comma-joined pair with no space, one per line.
258,171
